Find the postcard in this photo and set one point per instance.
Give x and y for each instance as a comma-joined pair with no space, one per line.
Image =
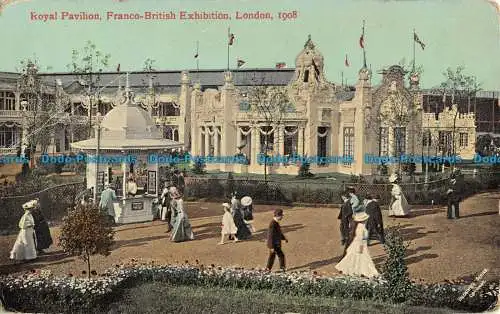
249,156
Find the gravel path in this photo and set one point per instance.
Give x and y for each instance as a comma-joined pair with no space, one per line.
440,249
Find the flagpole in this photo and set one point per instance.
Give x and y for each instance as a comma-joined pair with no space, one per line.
197,61
413,69
364,51
342,73
228,39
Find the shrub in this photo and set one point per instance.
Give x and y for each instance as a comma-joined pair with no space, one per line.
395,271
86,232
199,167
304,171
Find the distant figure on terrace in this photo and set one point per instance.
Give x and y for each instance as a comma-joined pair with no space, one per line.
42,231
182,230
106,204
228,226
399,206
375,224
357,261
131,187
25,246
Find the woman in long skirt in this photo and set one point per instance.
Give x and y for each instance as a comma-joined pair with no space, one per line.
25,247
246,203
182,230
357,260
399,205
42,230
228,226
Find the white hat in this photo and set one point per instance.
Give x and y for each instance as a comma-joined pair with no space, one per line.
246,201
226,205
361,217
29,205
393,178
174,192
453,181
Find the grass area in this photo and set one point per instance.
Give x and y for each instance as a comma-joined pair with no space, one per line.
158,297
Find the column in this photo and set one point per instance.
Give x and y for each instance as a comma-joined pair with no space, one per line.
216,141
238,136
254,147
281,140
200,142
301,144
207,142
124,183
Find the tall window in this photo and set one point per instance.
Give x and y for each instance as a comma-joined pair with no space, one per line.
426,138
267,141
306,76
7,101
9,136
322,144
399,141
384,142
349,142
291,141
445,142
464,139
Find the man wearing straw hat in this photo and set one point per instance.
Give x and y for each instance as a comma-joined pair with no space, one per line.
25,247
453,201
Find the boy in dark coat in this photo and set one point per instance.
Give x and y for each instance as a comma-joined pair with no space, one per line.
274,238
375,224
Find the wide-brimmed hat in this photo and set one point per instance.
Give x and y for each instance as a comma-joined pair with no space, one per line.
393,178
360,217
226,205
453,181
246,201
174,193
278,213
29,205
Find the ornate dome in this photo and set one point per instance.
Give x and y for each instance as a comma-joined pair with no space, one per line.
309,55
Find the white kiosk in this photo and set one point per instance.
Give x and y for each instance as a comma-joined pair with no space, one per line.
129,136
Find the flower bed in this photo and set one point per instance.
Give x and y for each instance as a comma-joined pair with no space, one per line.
42,292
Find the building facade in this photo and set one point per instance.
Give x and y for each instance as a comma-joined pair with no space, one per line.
211,112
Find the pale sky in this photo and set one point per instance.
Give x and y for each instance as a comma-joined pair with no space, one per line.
456,32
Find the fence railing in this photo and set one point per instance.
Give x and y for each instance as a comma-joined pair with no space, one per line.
54,202
289,192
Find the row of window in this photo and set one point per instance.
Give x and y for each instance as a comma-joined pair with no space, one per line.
445,139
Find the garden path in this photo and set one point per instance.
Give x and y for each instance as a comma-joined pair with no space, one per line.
440,248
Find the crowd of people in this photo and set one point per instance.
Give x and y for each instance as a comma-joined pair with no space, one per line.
360,223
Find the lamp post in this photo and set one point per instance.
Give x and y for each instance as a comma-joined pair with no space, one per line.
98,127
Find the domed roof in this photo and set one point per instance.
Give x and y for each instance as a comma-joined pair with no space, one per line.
128,127
308,55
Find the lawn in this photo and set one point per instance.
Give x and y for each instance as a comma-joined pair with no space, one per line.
157,297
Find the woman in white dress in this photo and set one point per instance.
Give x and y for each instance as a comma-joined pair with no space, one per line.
25,247
399,205
228,226
357,260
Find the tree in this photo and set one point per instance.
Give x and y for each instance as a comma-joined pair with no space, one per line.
86,232
395,270
40,108
87,66
461,87
268,105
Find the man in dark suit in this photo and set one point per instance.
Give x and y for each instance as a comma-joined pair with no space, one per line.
375,224
274,238
345,216
453,200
